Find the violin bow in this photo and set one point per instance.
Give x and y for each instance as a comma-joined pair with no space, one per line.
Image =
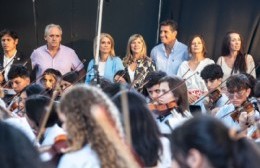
45,91
103,119
83,61
185,73
18,94
48,112
202,97
121,76
236,109
75,69
125,111
255,68
8,64
140,75
79,79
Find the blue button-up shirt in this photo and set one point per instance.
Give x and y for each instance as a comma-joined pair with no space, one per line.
169,64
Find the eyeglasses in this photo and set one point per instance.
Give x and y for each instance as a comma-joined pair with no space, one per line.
238,94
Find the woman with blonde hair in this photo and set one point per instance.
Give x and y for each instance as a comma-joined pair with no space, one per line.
136,61
108,63
93,127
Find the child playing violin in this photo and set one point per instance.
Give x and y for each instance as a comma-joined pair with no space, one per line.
212,75
240,113
151,88
68,80
173,95
19,78
35,108
49,79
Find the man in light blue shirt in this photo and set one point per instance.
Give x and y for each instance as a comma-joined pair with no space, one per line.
168,55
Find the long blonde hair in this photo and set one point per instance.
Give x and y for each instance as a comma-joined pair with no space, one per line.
102,35
129,55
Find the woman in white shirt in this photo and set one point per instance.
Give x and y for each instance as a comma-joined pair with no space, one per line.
234,60
190,70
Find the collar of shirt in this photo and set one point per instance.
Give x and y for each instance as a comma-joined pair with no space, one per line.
49,51
7,59
173,48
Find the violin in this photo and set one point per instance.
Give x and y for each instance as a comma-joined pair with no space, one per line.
162,110
14,106
215,96
162,107
246,106
51,154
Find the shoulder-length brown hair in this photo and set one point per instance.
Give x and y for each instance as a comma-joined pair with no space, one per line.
129,55
204,49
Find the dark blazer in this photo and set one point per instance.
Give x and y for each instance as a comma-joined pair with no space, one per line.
18,59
